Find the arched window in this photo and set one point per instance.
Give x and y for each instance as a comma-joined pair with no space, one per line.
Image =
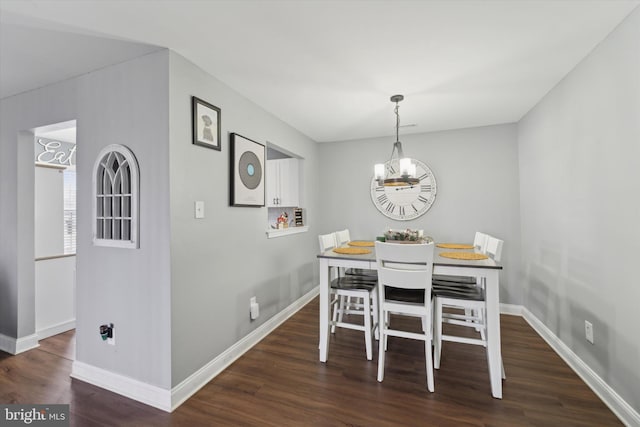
115,206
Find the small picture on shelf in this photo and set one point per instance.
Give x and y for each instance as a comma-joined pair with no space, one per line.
297,217
283,221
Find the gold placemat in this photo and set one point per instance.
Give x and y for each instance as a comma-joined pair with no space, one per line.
464,255
361,243
454,246
352,251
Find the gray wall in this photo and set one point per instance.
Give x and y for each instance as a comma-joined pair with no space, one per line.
580,180
125,104
218,263
476,171
18,115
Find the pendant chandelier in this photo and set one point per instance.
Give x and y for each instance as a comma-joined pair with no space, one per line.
399,170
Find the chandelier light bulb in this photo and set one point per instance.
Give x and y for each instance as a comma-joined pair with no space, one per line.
405,164
379,171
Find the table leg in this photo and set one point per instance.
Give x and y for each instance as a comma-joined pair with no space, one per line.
494,353
324,309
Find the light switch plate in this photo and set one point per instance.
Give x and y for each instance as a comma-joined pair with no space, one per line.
199,209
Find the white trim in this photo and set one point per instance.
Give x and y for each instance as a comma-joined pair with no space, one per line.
26,343
5,343
133,389
49,165
168,400
511,309
271,234
56,329
617,404
16,346
200,378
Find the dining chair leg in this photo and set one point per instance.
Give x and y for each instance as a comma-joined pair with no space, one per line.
374,312
342,308
334,316
387,321
483,332
367,327
381,351
429,364
437,331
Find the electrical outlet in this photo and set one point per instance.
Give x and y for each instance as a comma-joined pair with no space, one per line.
254,308
111,340
199,209
588,331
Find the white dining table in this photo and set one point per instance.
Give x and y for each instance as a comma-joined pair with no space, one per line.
487,269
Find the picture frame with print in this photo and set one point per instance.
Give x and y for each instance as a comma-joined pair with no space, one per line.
247,168
206,122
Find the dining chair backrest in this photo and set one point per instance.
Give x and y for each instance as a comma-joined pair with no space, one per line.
407,266
327,241
494,248
480,241
342,237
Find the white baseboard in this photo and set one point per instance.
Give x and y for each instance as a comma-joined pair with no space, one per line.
56,329
168,400
18,345
200,378
133,389
617,404
26,343
7,344
511,309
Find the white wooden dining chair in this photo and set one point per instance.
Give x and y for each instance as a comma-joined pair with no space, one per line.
343,237
403,271
343,287
472,299
480,245
480,241
494,248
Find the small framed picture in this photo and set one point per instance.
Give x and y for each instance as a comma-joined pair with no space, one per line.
206,124
247,172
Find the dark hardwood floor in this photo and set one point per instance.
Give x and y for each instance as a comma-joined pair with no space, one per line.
280,382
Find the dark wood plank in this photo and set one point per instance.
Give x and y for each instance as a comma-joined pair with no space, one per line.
63,345
280,382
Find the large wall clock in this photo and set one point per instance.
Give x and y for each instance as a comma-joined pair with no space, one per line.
405,202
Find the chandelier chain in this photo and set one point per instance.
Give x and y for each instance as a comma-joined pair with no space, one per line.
397,122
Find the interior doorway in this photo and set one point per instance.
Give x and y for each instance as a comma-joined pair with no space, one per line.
55,236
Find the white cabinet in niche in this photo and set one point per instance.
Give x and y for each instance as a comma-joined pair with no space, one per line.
283,187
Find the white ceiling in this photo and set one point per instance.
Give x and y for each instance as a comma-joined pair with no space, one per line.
328,68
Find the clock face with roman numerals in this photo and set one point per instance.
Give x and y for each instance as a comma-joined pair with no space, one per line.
405,202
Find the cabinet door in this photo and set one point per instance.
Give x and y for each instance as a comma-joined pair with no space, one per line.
289,182
271,175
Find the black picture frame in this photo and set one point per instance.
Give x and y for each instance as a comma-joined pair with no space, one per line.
247,172
206,124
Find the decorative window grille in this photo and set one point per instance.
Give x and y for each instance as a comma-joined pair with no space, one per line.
115,218
69,230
